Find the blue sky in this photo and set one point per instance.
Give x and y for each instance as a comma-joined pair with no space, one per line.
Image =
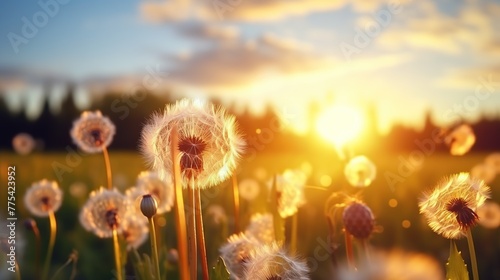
428,54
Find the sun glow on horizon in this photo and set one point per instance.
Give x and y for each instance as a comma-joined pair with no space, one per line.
340,124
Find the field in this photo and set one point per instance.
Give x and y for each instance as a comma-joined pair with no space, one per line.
399,225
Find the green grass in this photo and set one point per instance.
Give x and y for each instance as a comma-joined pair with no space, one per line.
96,255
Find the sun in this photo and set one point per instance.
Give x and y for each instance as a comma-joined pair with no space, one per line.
340,124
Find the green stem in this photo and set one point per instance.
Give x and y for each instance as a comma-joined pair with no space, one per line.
61,269
472,253
154,247
52,241
116,246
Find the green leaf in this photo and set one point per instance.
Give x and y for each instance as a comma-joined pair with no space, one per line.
219,271
279,223
456,268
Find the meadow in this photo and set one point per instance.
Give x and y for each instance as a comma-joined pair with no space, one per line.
395,206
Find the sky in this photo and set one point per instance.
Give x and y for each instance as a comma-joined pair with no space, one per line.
401,57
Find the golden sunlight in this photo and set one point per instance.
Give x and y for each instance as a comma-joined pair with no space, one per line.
340,124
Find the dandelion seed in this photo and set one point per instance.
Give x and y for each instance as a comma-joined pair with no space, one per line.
489,214
43,197
236,252
23,144
209,142
450,207
273,262
360,172
460,139
261,227
249,189
104,211
484,172
92,131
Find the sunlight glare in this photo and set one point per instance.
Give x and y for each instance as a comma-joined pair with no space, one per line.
340,124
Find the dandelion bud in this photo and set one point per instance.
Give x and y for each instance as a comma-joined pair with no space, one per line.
148,206
358,220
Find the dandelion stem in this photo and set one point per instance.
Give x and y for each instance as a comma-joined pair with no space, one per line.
366,248
53,230
154,247
349,251
116,246
201,235
180,218
293,241
108,166
331,234
191,228
37,249
472,253
236,200
18,272
61,268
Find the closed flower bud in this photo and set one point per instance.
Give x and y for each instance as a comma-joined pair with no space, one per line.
148,205
358,220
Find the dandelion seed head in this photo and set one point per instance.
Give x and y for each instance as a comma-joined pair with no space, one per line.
135,233
273,262
290,187
217,214
493,160
162,189
249,189
489,214
208,141
92,131
360,172
104,211
484,171
261,227
23,143
358,220
460,139
43,197
450,207
236,252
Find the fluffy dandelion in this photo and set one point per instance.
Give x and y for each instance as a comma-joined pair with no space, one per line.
236,252
493,160
105,211
150,183
135,233
249,189
92,132
395,265
217,214
261,227
273,262
209,142
78,189
360,172
450,207
483,171
489,214
290,187
460,139
23,143
43,197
